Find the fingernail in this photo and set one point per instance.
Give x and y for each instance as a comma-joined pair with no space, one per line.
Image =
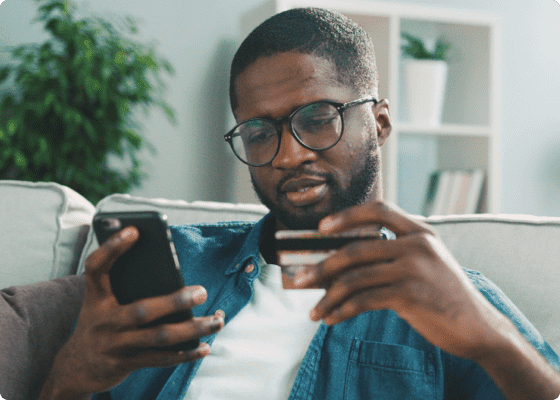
314,315
303,278
127,232
204,348
199,295
216,323
327,224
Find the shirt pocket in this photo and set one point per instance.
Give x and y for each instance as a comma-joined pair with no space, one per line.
388,371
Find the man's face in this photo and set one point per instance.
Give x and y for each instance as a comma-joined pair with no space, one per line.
302,186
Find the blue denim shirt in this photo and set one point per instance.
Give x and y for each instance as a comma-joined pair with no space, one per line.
375,355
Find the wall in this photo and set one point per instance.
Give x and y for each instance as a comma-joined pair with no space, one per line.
199,38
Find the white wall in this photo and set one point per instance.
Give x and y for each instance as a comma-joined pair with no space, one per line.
199,38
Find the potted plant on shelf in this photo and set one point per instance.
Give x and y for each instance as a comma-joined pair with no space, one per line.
72,103
425,78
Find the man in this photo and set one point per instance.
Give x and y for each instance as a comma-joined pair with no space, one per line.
401,318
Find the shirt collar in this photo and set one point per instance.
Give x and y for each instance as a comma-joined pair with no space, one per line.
249,252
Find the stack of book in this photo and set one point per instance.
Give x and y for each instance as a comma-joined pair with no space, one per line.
454,192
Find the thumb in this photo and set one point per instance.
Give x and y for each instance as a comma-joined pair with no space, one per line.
100,262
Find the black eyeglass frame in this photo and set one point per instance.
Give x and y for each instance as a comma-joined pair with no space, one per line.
340,107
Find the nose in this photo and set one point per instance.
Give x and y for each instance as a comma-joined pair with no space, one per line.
291,153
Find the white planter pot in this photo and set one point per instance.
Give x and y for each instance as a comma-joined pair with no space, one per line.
425,86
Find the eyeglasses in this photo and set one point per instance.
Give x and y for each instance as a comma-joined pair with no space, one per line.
316,126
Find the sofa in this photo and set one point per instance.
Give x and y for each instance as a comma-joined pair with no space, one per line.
46,238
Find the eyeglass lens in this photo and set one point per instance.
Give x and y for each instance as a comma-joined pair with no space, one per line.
317,125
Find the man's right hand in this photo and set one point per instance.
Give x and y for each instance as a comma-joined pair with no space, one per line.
107,345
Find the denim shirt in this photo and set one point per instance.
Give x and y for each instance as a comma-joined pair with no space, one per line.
375,355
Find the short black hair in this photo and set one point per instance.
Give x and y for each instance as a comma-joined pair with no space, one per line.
314,31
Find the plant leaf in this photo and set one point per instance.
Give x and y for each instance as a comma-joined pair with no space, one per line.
20,160
4,73
416,49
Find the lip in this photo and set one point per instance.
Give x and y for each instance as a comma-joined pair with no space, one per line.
293,185
314,191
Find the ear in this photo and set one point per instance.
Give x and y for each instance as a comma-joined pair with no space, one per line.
382,120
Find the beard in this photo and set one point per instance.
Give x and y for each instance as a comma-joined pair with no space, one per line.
358,191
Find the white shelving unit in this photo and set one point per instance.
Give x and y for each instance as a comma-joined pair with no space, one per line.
469,134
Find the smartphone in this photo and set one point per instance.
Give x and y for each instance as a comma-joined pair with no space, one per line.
299,250
150,268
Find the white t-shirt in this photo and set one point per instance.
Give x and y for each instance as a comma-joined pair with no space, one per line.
257,355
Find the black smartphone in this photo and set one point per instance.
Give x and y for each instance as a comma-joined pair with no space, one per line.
150,268
299,250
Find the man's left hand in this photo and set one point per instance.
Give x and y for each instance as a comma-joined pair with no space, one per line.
413,275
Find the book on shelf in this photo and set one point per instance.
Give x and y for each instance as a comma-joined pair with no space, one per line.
454,192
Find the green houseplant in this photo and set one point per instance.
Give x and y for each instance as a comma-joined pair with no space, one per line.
416,49
74,103
425,73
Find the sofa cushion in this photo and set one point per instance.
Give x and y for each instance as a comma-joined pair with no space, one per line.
178,212
519,253
44,226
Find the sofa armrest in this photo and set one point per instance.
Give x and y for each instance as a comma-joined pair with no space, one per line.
44,226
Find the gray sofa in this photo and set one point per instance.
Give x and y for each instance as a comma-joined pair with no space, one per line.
46,238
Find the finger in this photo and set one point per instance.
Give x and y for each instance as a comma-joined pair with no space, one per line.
166,335
362,252
371,299
156,358
99,262
379,213
145,311
357,280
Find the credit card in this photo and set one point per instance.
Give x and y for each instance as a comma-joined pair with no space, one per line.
299,250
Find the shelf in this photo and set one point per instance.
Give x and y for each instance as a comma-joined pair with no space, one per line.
444,129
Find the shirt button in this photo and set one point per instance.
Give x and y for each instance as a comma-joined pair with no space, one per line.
250,268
